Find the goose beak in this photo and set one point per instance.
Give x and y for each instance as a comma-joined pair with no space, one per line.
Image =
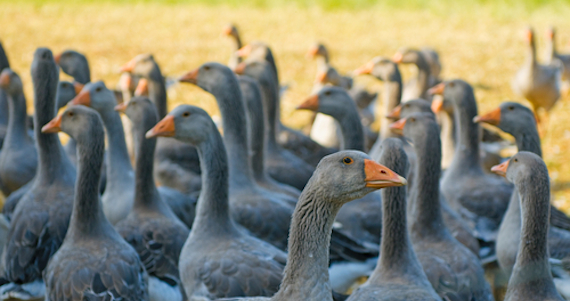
5,79
493,117
395,114
437,105
130,66
83,98
311,103
142,87
398,126
57,58
379,176
437,89
501,169
312,52
53,126
190,77
398,58
321,77
78,87
164,128
244,51
227,30
240,68
364,69
122,107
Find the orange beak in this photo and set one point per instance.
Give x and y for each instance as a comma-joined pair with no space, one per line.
57,58
311,103
398,126
122,107
493,117
529,35
78,87
227,30
240,68
142,87
83,98
321,77
437,89
53,126
130,66
550,34
436,105
244,51
379,176
5,79
164,128
190,77
364,69
398,58
501,169
312,52
395,114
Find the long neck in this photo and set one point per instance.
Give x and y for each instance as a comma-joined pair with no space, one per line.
212,211
322,63
238,43
119,170
467,150
257,137
270,105
87,217
16,132
447,138
157,92
306,273
551,49
423,75
531,54
146,194
396,254
52,158
425,213
231,106
392,96
351,128
532,258
528,140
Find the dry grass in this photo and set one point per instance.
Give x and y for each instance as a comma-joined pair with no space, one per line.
480,43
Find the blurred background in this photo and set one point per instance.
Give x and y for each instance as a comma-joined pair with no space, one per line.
481,41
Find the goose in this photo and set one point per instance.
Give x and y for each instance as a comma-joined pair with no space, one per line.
219,259
520,122
480,198
453,270
338,179
176,163
119,196
93,262
40,221
531,278
454,222
539,84
4,63
18,159
232,32
151,227
418,86
398,274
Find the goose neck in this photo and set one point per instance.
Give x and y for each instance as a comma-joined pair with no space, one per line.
467,149
351,128
306,273
120,168
16,132
157,92
529,141
392,96
212,210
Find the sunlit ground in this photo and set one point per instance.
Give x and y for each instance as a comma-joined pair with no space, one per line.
481,44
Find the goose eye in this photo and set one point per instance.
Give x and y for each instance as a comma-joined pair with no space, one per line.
185,114
70,114
328,93
412,119
511,108
206,67
407,106
347,160
451,84
64,85
516,160
98,89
